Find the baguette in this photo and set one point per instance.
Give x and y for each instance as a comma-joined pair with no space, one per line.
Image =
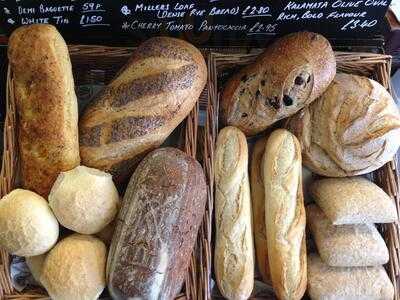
46,105
359,245
338,283
234,253
157,227
141,107
258,202
285,215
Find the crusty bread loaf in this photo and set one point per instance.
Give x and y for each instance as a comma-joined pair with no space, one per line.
289,75
35,265
46,105
75,268
353,201
359,245
285,215
84,199
234,253
140,108
338,283
352,129
28,227
258,208
157,227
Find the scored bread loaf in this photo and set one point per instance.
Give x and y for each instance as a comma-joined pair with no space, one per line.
234,253
359,245
353,201
140,108
258,208
157,227
352,129
289,75
338,283
285,215
46,105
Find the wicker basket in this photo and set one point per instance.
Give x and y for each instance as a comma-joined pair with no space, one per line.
98,65
375,66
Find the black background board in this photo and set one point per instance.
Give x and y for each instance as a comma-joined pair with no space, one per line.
210,23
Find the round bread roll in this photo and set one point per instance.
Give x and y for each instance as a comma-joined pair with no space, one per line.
352,129
84,200
35,265
28,227
75,268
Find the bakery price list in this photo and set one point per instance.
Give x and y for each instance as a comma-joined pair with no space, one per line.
221,23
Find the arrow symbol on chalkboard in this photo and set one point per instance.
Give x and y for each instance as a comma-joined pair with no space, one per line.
11,21
125,10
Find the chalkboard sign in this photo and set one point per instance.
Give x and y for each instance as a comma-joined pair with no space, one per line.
211,23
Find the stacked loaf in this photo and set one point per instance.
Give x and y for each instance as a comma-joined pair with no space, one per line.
151,240
351,250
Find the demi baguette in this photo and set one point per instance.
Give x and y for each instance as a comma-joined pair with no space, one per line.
234,254
285,215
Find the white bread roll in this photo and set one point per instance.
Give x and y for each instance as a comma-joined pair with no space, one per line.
285,215
75,269
340,283
35,265
359,245
84,200
28,227
234,253
353,201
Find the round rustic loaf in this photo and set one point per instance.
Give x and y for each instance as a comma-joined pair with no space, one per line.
75,268
35,265
352,129
84,200
27,225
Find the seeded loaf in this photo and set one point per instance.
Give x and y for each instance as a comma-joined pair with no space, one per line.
285,215
353,201
258,207
338,283
352,129
359,245
141,107
46,105
234,251
289,75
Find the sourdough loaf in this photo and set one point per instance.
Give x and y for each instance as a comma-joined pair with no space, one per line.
352,129
359,245
353,201
258,207
289,75
285,215
358,283
234,252
157,227
140,108
46,105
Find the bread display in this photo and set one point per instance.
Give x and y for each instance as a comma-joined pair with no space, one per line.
140,108
157,227
336,283
258,208
352,129
234,252
285,215
289,75
353,201
46,105
84,200
75,268
35,265
359,245
27,224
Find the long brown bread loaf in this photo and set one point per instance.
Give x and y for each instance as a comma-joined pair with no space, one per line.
140,108
46,105
157,227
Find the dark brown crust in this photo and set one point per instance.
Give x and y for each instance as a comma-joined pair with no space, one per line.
157,227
